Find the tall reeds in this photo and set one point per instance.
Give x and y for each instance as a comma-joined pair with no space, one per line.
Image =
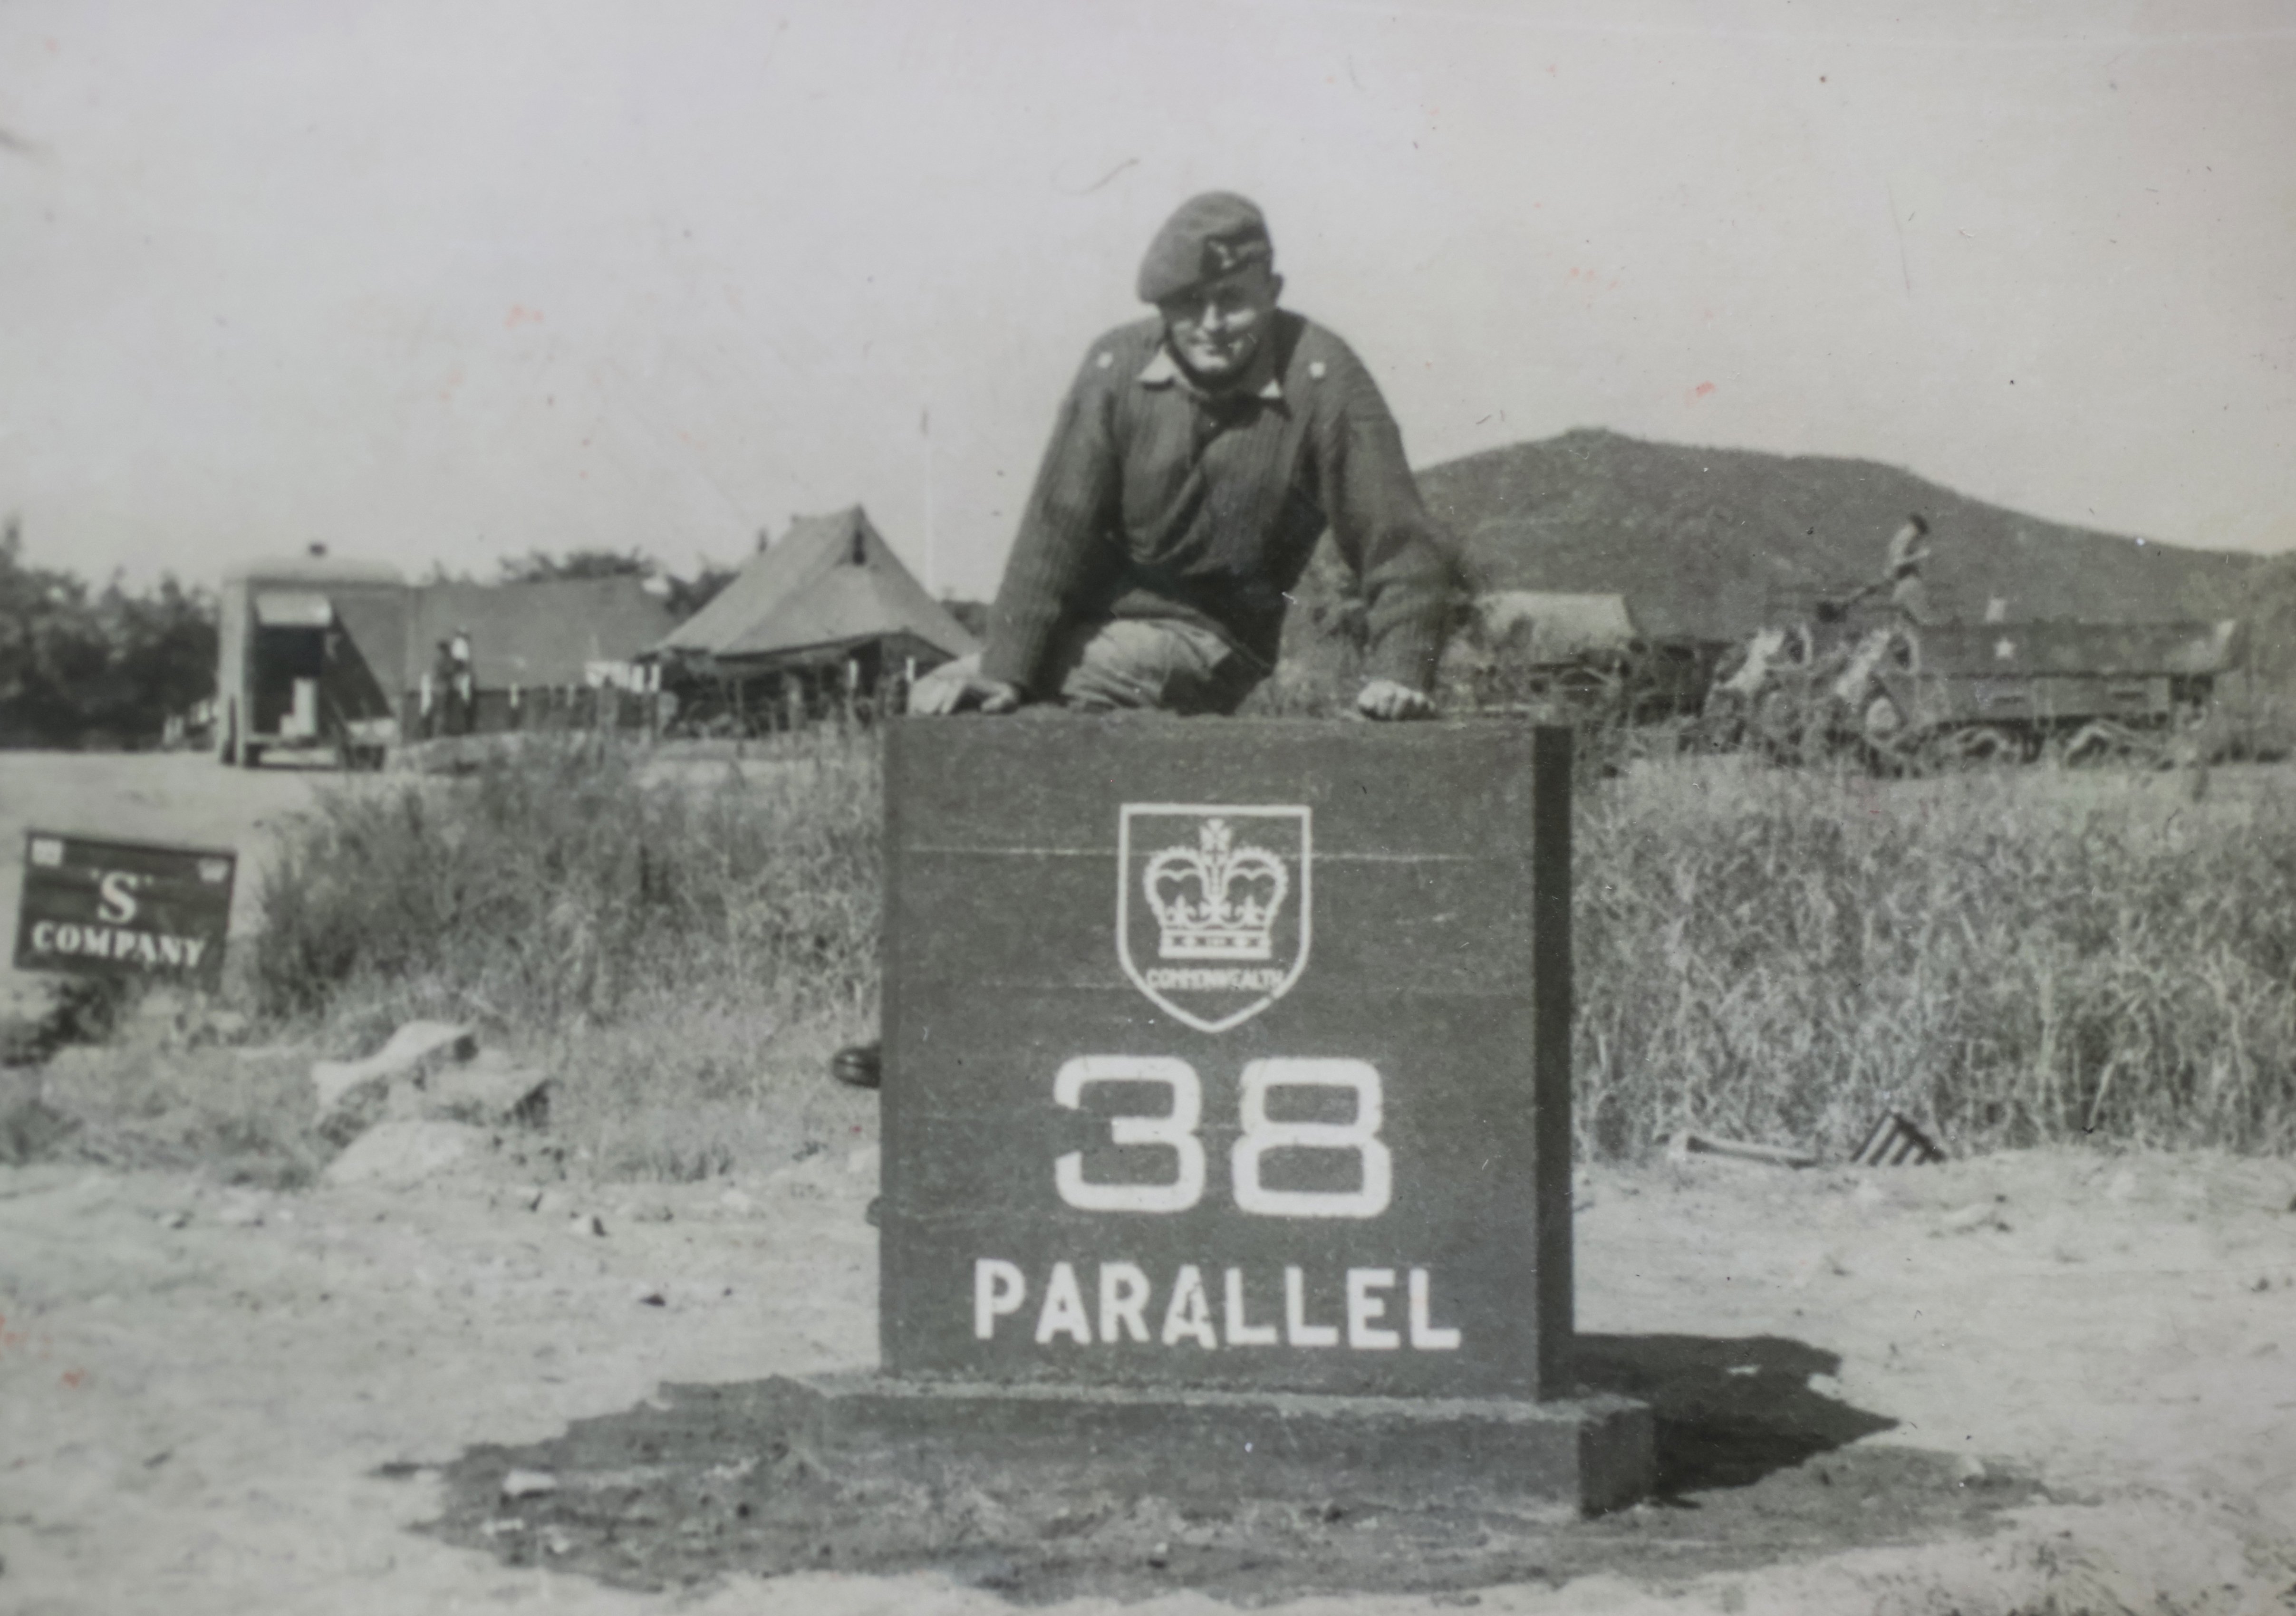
564,882
2011,956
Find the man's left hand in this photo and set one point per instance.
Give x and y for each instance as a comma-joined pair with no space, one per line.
1386,698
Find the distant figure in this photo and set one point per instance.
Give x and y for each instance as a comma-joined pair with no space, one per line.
1908,549
439,694
462,697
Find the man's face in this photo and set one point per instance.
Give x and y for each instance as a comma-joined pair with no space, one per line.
1218,326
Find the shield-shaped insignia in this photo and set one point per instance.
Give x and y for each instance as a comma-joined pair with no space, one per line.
1213,917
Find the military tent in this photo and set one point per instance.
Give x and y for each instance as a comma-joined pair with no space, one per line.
830,592
1555,628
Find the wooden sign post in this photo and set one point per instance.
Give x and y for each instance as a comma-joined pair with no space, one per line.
1227,1110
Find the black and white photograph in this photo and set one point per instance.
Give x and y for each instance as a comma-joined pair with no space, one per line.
961,806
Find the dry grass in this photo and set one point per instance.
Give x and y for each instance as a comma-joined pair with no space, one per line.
680,1090
147,1100
2013,955
558,886
680,945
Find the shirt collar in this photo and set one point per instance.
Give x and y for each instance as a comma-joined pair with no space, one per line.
1162,370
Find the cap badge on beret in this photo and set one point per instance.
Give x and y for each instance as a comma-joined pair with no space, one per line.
1209,236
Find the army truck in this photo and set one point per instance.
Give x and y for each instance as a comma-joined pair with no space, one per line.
309,649
1910,696
2009,689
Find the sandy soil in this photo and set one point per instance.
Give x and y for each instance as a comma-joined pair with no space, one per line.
2073,1374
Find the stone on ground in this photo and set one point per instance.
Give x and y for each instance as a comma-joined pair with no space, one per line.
353,1094
489,1090
405,1152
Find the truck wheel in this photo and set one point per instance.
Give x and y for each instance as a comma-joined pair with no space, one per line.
1889,743
2103,741
1881,723
1987,743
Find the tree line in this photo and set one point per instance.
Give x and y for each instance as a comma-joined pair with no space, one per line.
82,667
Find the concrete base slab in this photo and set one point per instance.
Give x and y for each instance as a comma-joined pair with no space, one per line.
1588,1454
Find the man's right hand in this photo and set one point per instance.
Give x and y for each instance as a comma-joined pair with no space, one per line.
1388,700
934,695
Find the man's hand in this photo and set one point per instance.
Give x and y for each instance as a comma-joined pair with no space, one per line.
990,696
1386,698
935,695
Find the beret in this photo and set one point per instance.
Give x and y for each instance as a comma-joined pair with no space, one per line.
1209,236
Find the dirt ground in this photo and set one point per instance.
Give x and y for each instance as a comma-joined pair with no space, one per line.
1980,1387
2047,1382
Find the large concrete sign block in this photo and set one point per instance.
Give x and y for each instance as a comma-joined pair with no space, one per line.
1229,1054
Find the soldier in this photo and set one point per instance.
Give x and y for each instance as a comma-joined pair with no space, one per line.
439,694
465,685
1908,549
1196,459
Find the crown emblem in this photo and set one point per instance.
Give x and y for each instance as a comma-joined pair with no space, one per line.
1215,900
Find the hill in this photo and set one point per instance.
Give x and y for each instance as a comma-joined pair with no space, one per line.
1699,540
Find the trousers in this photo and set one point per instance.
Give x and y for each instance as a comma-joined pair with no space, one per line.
1141,664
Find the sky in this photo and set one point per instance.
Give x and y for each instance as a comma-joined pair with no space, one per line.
438,282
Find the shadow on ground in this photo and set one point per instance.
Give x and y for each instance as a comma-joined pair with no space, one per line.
1729,1412
1755,1466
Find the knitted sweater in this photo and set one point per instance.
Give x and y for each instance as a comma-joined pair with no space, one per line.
1156,500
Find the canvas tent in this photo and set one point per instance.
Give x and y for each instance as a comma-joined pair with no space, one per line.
1557,628
324,652
1537,645
830,590
824,620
